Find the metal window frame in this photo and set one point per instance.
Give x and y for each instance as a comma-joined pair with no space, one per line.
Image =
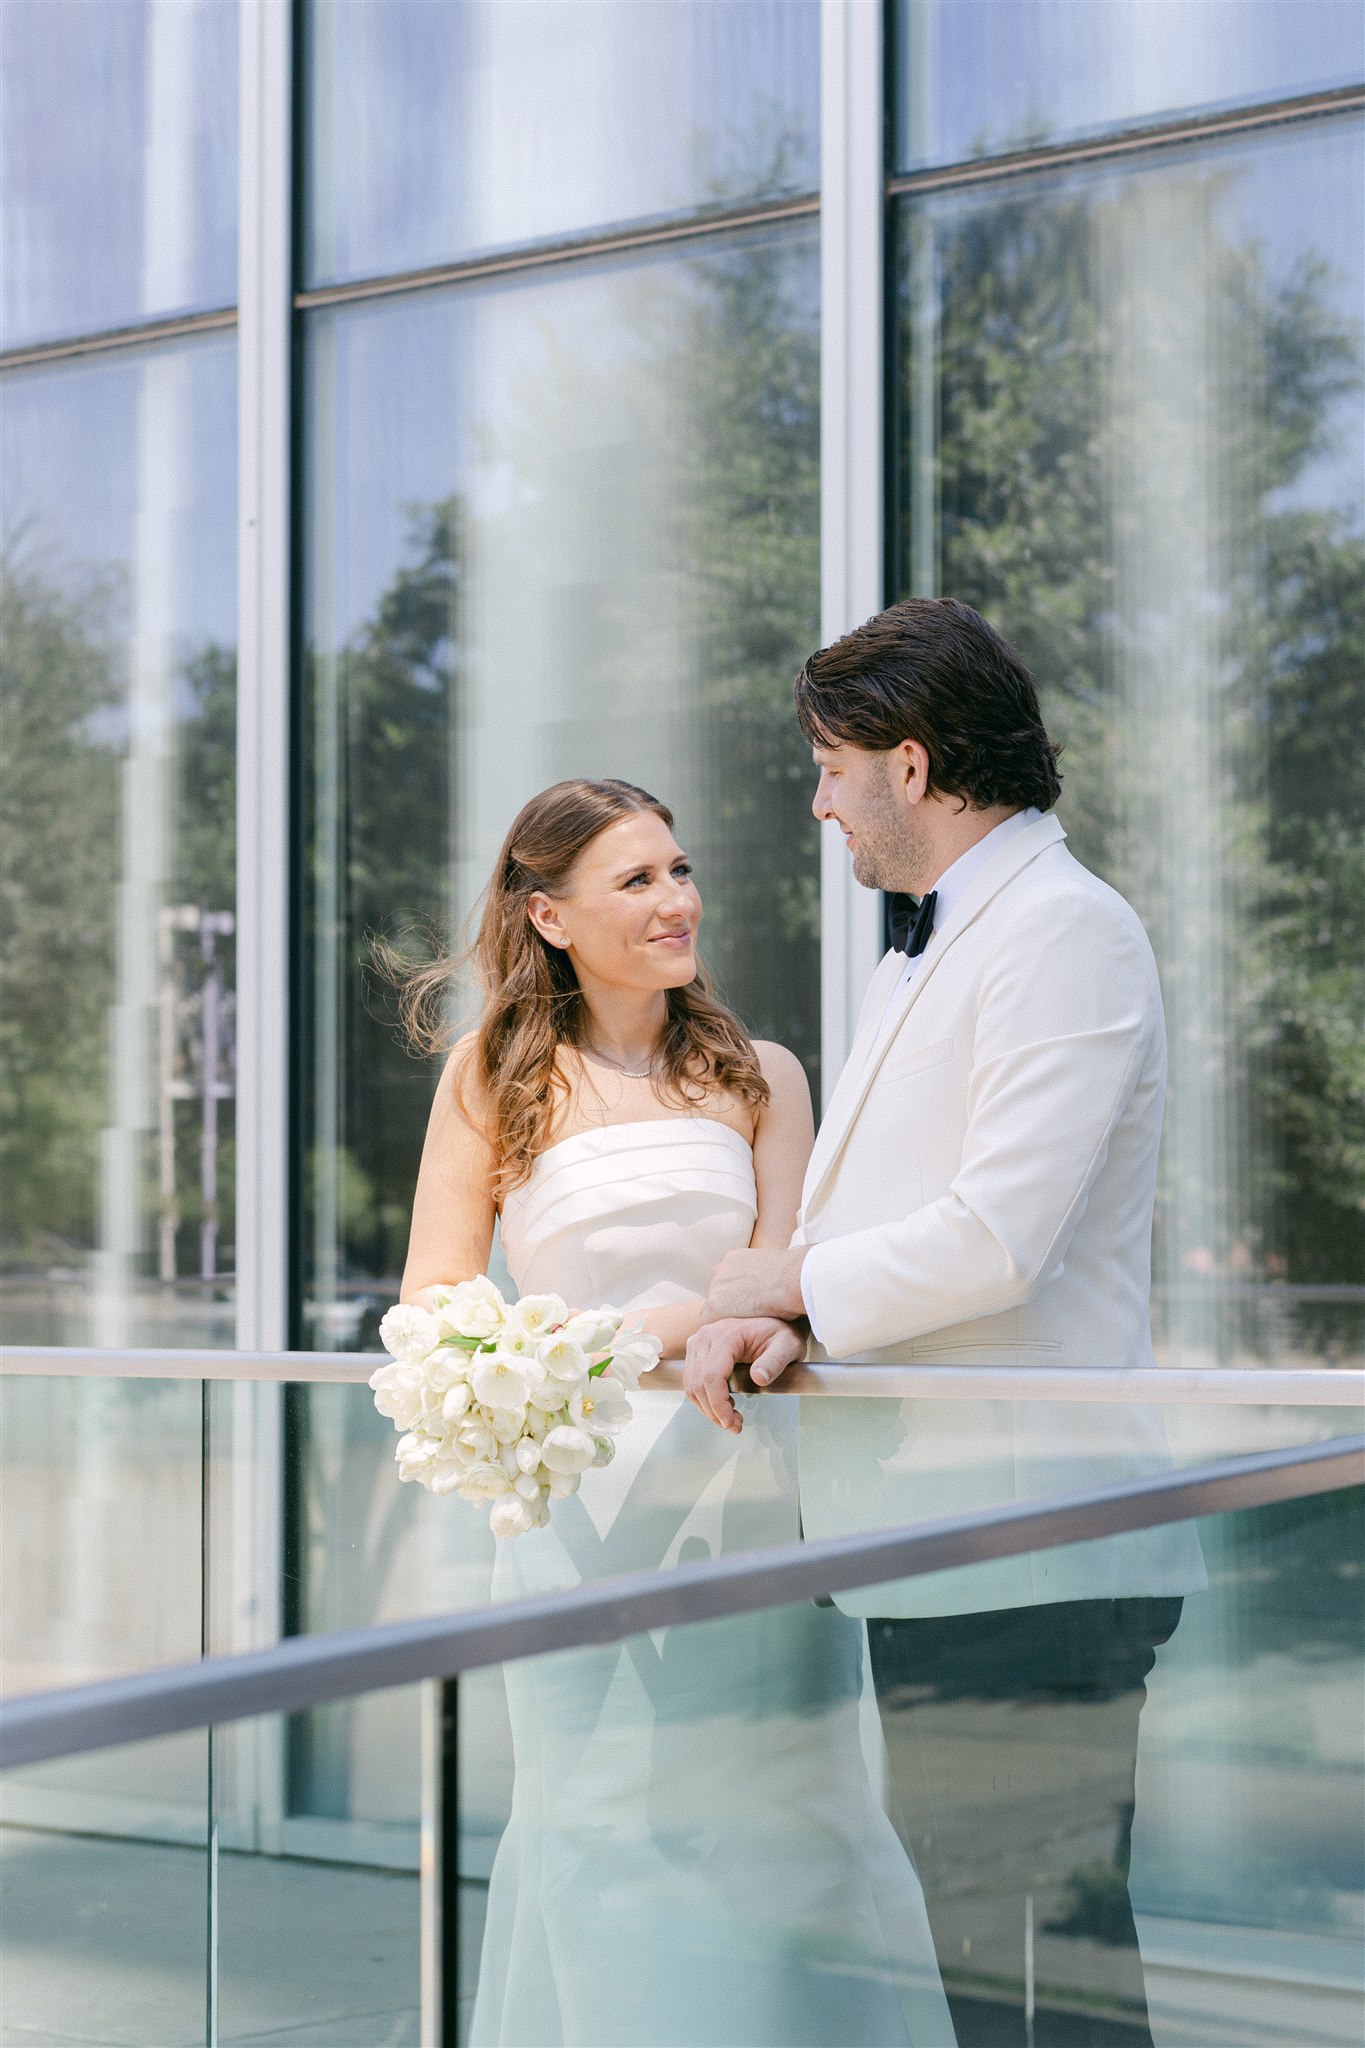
852,177
1156,1386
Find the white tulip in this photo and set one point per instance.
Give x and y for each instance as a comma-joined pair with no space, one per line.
506,1424
567,1449
594,1329
606,1450
455,1402
399,1394
528,1454
600,1406
408,1333
633,1354
499,1382
564,1360
484,1482
525,1349
563,1484
478,1440
546,1400
535,1315
475,1309
446,1367
414,1452
511,1517
526,1486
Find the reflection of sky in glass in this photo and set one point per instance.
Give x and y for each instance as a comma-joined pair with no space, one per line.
1301,197
974,75
436,131
415,398
118,162
69,477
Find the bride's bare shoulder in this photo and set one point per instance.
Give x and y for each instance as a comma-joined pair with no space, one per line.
789,1089
462,1092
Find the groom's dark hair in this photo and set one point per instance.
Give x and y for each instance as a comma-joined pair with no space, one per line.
931,669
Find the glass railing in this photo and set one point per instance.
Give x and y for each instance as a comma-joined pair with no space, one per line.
274,1879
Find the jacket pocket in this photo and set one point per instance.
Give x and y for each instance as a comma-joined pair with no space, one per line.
900,1066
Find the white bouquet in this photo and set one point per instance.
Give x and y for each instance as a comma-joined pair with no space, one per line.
506,1403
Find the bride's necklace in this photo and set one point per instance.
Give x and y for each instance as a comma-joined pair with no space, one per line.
630,1073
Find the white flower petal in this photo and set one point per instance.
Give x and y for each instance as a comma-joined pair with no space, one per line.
564,1360
600,1406
499,1382
511,1517
535,1315
593,1329
408,1333
633,1354
455,1402
567,1449
484,1482
475,1309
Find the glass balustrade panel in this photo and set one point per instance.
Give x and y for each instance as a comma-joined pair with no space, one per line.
1134,1814
105,1923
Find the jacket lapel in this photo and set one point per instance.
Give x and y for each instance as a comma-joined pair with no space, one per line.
845,1089
868,1052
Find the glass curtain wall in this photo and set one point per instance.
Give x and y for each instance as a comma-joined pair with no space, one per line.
118,438
1127,424
561,520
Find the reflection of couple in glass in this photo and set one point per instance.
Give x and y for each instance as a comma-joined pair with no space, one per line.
695,1852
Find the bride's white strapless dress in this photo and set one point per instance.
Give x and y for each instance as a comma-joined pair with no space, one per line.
694,1857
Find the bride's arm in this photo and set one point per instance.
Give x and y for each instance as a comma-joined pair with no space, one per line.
452,1210
784,1132
783,1139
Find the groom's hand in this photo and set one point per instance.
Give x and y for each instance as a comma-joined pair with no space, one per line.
756,1283
765,1343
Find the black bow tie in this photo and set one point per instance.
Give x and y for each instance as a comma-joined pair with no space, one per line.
911,923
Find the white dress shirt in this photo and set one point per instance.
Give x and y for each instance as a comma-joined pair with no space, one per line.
950,888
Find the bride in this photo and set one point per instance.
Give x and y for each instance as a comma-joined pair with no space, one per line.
694,1855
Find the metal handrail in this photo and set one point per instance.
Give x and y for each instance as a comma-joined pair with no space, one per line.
1217,1386
304,1671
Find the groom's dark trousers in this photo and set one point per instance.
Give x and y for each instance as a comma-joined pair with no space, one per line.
1012,1745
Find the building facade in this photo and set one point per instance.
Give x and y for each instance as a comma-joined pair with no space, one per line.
406,405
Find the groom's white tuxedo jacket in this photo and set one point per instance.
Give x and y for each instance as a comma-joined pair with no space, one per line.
981,1193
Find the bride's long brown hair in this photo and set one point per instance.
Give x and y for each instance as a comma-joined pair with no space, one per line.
532,1004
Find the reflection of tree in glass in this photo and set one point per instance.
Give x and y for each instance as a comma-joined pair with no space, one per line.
60,827
731,343
1030,439
395,684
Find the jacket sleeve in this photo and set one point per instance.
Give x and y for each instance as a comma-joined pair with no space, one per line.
1067,1015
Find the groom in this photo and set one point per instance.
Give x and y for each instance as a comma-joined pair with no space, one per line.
981,1193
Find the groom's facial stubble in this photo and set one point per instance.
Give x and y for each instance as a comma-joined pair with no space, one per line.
865,793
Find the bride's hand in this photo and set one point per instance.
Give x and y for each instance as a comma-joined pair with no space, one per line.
764,1342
